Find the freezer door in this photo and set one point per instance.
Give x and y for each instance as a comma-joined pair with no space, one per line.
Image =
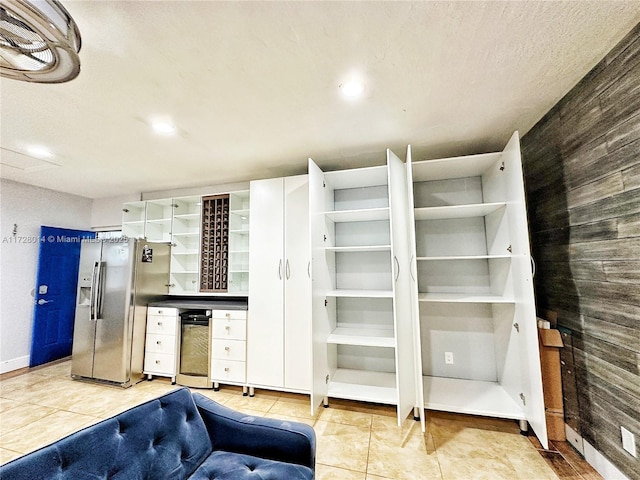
84,330
111,356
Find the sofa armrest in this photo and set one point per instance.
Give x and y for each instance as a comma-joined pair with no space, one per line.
233,431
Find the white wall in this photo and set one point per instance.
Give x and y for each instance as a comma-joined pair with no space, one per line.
28,208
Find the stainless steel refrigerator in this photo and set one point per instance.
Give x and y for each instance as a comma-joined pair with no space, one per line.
118,278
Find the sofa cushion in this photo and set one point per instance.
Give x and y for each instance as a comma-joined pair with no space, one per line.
223,465
164,438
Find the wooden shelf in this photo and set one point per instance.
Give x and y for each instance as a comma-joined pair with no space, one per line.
365,337
462,298
457,211
462,257
364,386
360,248
361,215
361,293
472,397
454,167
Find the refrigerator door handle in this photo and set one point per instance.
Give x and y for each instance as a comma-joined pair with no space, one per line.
99,290
94,288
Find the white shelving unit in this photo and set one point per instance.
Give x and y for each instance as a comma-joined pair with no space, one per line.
185,240
159,214
473,291
239,215
133,219
361,323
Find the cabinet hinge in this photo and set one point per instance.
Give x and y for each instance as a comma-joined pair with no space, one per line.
326,302
125,210
324,185
324,239
175,205
502,167
326,379
517,326
509,249
523,398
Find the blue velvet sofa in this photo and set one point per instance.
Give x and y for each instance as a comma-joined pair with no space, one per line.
177,436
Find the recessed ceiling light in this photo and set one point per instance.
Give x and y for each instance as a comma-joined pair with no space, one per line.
162,127
352,88
39,151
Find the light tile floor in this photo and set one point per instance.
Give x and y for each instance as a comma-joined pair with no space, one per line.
355,441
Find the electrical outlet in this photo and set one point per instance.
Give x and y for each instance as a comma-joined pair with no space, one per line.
628,441
448,358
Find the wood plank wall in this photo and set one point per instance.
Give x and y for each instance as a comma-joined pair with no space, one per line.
582,174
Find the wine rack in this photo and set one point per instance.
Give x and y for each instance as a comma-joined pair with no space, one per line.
214,258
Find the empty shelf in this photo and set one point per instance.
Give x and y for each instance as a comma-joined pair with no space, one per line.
456,211
362,336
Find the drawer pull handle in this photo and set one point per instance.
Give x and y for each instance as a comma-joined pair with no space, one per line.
227,328
159,324
158,342
228,315
157,362
226,349
226,369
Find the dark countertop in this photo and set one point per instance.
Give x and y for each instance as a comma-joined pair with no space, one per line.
202,303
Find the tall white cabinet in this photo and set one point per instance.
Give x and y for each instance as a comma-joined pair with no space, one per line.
472,287
363,346
279,326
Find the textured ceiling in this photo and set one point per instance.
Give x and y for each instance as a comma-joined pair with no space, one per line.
253,86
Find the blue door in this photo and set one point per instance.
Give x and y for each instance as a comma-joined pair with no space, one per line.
55,293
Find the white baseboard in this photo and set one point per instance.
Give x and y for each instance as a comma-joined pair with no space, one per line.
598,461
14,364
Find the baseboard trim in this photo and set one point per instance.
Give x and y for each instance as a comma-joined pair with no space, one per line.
14,364
593,457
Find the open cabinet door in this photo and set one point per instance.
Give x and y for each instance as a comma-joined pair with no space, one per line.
415,305
525,310
320,283
403,320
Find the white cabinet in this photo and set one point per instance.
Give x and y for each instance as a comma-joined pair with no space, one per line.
161,344
238,272
180,222
228,347
363,334
473,291
185,241
279,329
133,219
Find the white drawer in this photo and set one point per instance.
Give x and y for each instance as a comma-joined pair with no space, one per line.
229,329
160,344
229,314
159,364
228,371
161,324
228,349
168,311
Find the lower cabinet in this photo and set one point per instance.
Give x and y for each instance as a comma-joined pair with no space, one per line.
228,347
161,343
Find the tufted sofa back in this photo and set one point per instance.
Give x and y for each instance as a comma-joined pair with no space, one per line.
164,438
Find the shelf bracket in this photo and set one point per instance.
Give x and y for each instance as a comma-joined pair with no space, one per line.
517,326
523,398
502,167
509,249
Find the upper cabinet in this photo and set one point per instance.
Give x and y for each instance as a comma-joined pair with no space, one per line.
185,242
473,289
209,239
362,325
